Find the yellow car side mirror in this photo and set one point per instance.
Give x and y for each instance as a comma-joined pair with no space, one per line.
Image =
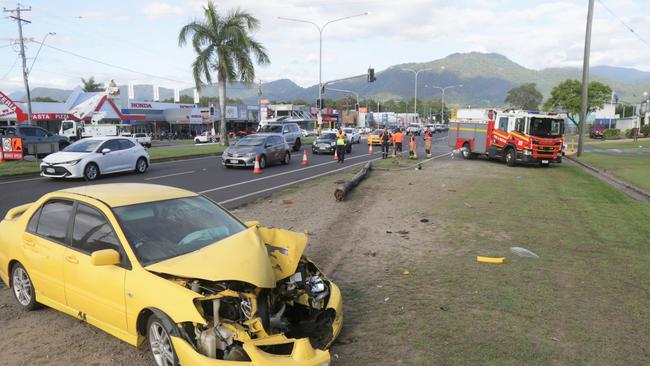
252,223
105,257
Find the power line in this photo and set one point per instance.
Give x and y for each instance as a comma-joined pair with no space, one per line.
109,64
11,68
230,86
624,24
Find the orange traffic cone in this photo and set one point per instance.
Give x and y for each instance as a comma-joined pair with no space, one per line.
256,169
336,154
304,158
370,149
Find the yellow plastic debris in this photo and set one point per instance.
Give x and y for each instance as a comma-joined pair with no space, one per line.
406,272
490,260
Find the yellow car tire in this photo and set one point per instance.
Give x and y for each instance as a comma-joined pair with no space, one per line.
23,288
160,343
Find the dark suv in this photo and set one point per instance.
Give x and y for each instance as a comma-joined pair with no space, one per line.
33,135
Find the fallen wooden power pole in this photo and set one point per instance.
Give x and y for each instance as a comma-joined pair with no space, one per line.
343,189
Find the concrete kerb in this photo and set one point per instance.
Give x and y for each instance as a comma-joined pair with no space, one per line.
638,193
416,163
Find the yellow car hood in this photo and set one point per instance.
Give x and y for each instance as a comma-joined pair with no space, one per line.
259,256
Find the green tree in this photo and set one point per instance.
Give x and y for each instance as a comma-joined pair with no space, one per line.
525,96
44,99
90,85
223,44
566,97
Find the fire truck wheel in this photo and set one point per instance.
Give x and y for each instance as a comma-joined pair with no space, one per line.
466,152
511,157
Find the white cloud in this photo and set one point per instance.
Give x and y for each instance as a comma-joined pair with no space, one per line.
158,10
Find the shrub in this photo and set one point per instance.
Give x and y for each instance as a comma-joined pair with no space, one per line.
629,133
612,134
645,130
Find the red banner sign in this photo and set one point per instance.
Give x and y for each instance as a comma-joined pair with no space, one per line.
50,116
11,108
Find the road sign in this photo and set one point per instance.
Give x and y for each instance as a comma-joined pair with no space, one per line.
384,118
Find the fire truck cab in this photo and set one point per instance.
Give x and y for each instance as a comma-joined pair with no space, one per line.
513,136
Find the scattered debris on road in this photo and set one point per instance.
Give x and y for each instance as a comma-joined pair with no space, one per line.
523,252
493,260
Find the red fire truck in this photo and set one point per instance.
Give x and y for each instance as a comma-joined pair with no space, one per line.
511,135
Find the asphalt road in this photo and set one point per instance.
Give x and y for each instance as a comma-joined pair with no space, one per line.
206,175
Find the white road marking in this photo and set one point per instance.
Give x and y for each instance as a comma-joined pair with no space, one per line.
22,180
306,179
170,175
279,174
184,160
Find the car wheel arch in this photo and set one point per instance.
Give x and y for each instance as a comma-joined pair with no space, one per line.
10,268
146,313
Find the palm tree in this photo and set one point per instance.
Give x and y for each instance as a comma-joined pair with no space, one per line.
223,44
90,85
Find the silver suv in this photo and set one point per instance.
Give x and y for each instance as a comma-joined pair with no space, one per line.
290,131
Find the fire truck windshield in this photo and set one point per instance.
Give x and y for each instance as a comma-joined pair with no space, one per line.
546,127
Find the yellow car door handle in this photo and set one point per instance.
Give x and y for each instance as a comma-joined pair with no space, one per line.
29,243
72,259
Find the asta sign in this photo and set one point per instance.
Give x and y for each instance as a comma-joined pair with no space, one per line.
8,107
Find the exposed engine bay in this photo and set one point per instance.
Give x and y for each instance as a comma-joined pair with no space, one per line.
238,312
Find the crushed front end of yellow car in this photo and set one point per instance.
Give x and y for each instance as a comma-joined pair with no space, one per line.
291,321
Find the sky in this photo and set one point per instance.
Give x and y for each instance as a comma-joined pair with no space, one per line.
140,37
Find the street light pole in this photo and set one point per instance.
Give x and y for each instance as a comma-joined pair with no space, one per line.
39,50
442,89
321,28
415,101
346,91
585,79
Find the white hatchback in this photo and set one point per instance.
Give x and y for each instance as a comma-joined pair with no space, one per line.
89,158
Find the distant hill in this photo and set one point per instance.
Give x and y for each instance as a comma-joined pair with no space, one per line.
486,78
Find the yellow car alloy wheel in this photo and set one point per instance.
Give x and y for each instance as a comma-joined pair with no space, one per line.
160,344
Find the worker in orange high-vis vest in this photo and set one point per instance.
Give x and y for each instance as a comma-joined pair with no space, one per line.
398,140
412,146
341,142
427,142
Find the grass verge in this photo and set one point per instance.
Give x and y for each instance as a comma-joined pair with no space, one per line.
633,169
645,142
584,301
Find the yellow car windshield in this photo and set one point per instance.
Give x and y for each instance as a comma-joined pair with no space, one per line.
161,230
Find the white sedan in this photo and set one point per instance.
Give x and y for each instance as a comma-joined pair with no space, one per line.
353,135
89,158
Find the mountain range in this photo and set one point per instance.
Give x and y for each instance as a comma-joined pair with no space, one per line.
486,79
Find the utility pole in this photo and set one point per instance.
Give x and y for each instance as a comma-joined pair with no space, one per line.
20,21
585,79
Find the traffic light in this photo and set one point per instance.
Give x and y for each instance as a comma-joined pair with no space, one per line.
371,75
320,103
356,107
212,109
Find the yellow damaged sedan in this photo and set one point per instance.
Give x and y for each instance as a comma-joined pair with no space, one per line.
172,268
